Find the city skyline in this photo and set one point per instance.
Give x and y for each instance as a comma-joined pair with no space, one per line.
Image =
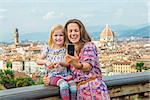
39,15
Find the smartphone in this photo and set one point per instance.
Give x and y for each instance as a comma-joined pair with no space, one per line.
70,49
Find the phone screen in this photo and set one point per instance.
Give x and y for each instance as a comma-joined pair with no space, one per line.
70,49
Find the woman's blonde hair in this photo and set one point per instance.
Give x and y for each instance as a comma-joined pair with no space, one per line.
53,29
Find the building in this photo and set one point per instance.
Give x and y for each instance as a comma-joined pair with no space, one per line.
16,37
123,67
107,37
30,66
1,64
17,65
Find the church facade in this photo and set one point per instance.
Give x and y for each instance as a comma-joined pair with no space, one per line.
107,37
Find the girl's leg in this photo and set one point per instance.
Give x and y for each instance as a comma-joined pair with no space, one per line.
73,89
64,89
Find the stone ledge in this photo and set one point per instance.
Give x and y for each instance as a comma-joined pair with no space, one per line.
127,79
127,90
41,91
29,92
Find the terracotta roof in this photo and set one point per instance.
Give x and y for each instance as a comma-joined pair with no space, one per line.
122,63
145,57
133,66
20,74
34,48
107,32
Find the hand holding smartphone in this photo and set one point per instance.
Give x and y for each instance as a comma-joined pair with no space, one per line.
70,49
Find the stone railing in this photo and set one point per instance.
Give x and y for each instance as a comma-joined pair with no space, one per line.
129,86
126,87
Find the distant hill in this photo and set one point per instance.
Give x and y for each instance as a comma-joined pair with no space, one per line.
37,36
142,32
121,31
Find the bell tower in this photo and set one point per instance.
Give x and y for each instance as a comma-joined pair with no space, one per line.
16,37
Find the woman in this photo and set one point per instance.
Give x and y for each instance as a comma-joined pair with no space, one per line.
86,72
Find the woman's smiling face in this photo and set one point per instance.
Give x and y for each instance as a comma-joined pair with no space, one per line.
73,33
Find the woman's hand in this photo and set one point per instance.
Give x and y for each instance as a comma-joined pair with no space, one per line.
73,60
46,80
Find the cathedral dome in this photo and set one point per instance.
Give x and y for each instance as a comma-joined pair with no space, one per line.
107,32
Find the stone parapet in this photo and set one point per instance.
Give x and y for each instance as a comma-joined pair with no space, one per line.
121,87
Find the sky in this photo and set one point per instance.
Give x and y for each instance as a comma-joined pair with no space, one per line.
39,15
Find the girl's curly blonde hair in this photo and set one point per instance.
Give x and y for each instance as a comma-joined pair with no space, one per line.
53,29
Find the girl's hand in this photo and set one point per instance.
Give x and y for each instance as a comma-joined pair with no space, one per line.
48,63
46,80
64,64
41,62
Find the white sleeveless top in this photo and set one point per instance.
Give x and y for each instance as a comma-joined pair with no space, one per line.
55,56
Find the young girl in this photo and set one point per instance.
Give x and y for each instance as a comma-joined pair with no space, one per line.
58,75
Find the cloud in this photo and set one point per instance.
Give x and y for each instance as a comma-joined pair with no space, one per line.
2,17
149,3
148,14
53,14
3,10
118,13
33,11
148,17
87,16
105,11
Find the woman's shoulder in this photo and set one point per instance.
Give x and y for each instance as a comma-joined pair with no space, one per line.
89,44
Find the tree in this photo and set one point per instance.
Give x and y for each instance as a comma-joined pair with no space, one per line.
139,66
21,82
9,64
7,78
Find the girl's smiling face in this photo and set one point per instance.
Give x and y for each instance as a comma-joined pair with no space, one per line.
58,37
